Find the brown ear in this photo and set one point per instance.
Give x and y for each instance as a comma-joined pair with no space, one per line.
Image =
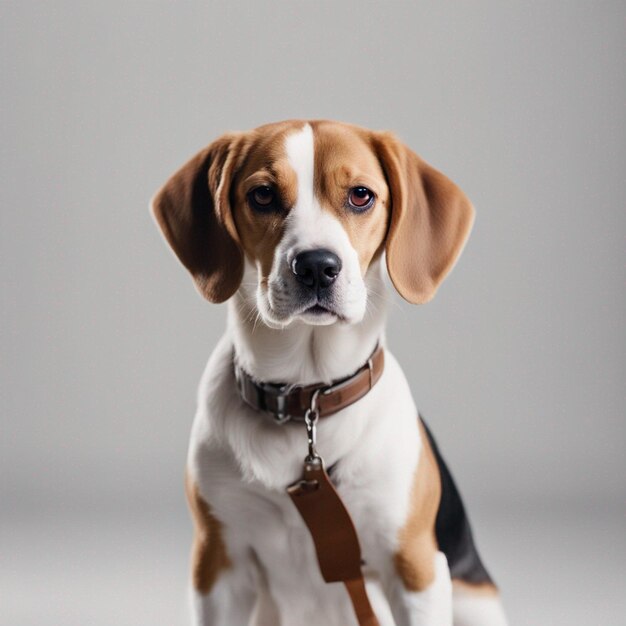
430,221
194,213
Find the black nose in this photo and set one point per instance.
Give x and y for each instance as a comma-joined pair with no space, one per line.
317,269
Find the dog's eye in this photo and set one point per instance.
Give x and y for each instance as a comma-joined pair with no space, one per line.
360,199
262,198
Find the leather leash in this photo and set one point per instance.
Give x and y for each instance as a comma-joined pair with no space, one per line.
320,506
332,529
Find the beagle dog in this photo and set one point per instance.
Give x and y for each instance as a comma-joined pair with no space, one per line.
290,223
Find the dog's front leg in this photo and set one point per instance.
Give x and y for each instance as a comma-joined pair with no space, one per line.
229,602
419,600
224,588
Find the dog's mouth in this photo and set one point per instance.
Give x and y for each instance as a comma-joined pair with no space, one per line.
281,306
319,313
318,309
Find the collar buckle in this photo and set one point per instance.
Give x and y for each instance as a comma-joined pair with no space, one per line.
281,416
284,402
279,394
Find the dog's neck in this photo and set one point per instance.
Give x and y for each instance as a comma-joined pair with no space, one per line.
302,353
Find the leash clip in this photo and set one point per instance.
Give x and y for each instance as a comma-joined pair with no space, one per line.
311,416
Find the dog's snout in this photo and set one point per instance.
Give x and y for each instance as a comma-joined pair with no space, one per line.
317,269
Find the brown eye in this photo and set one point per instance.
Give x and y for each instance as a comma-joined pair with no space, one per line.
262,198
360,199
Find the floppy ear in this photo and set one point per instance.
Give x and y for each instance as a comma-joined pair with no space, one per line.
430,221
193,211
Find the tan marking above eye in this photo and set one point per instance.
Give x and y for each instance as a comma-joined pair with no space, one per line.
257,180
357,179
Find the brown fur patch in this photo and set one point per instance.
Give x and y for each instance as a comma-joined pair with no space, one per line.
266,163
194,215
344,159
209,555
415,559
431,220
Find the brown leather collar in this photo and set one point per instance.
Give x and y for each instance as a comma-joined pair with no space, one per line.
287,402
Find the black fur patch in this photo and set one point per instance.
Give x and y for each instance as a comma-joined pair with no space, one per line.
452,528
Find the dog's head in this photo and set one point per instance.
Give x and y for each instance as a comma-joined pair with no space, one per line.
311,205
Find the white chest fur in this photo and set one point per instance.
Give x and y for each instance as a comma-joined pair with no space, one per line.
242,463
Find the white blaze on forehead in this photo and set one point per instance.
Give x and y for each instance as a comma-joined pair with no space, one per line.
301,155
308,226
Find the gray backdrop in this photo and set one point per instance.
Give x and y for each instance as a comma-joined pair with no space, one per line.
519,361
